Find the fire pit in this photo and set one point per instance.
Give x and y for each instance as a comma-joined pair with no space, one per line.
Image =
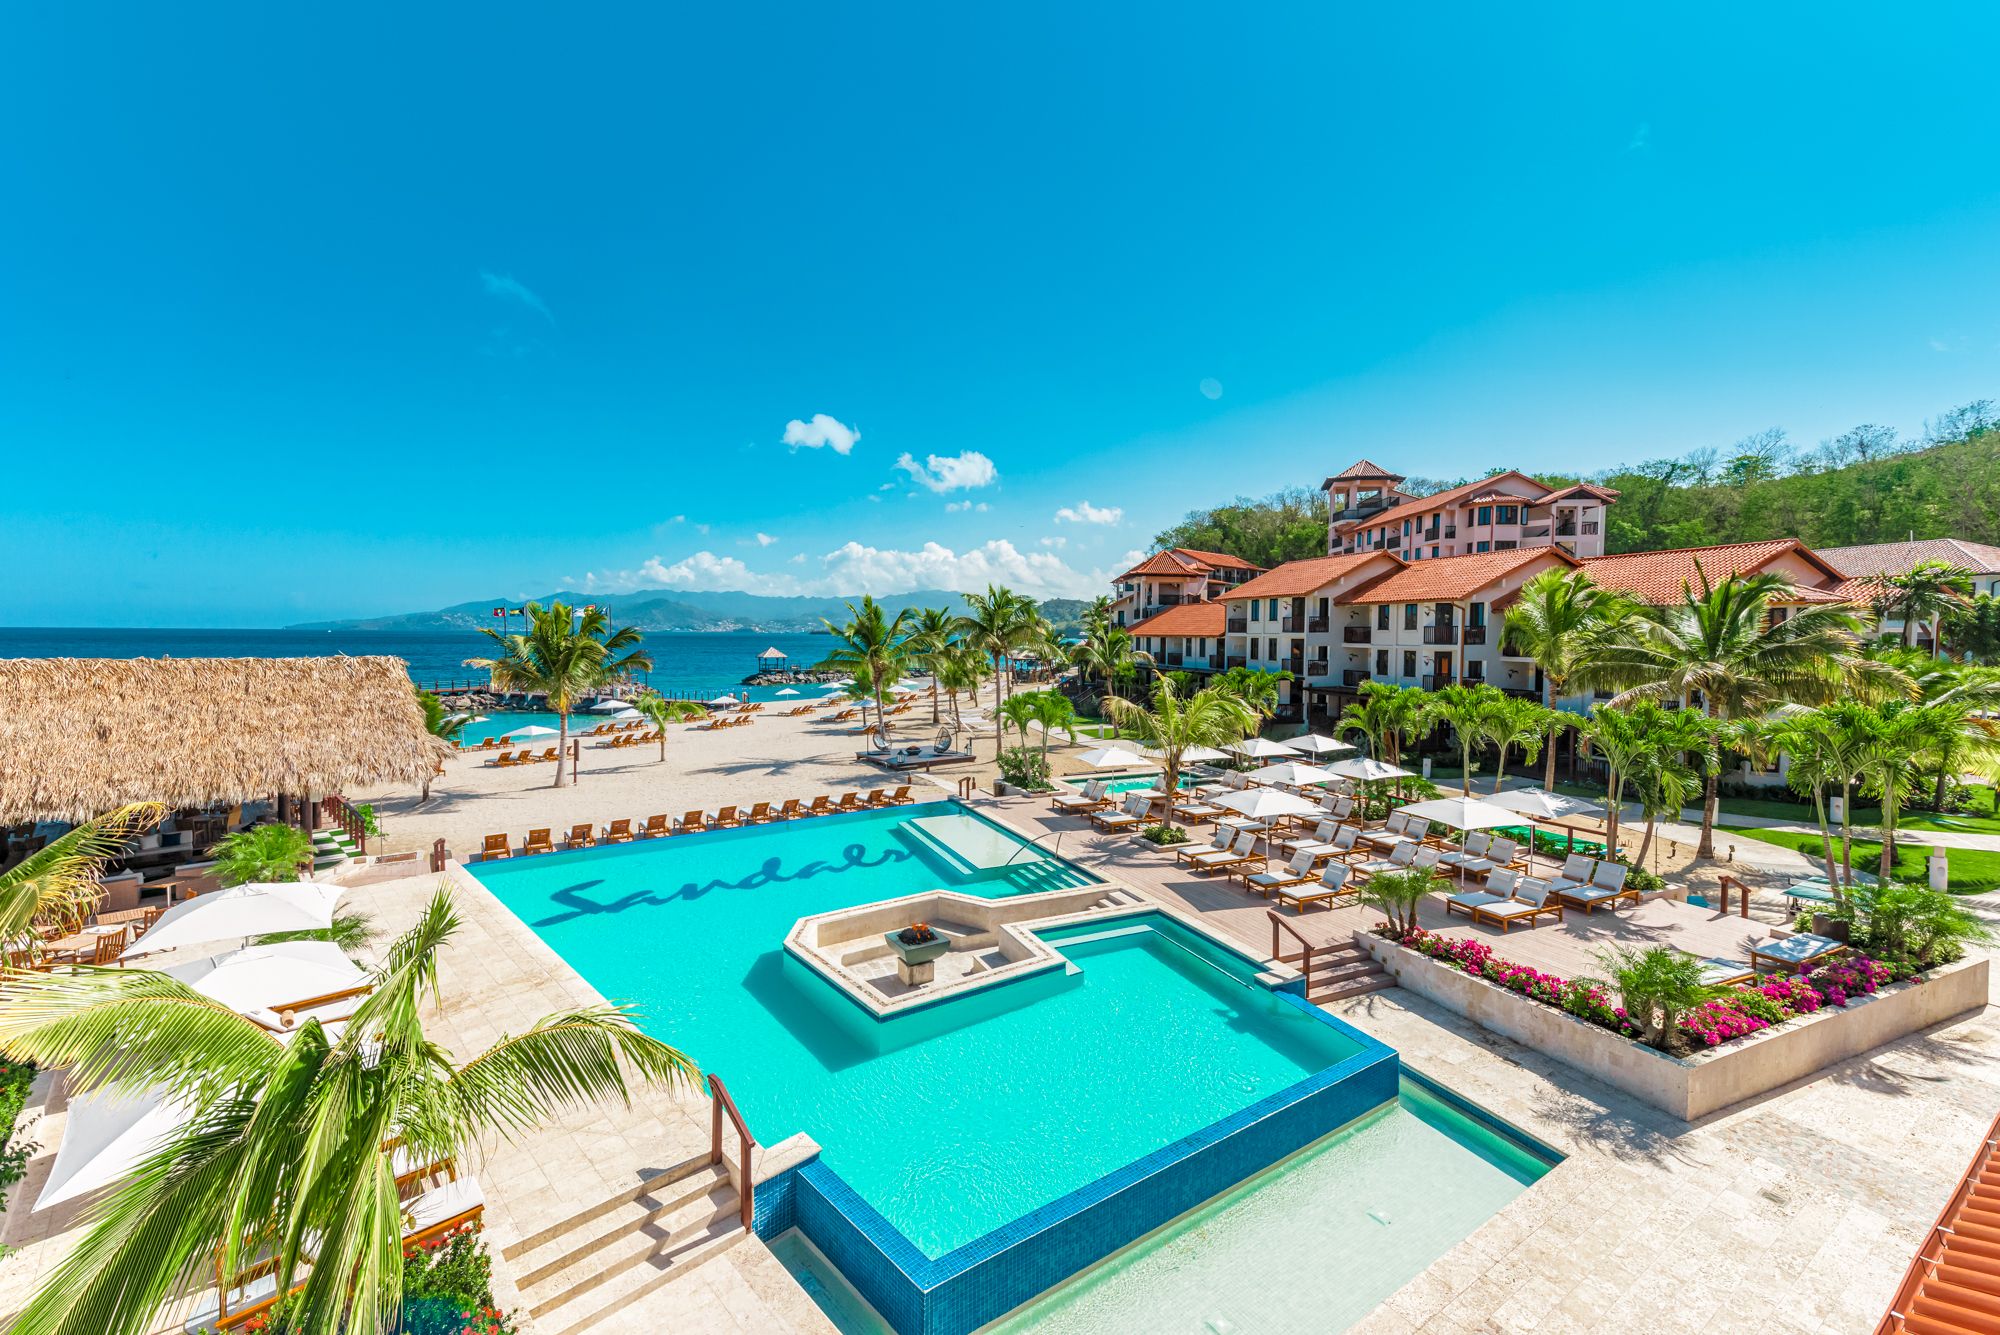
917,949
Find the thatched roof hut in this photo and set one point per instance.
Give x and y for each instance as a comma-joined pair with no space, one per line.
80,736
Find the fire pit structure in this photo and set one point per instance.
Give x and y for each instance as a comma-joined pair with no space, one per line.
917,949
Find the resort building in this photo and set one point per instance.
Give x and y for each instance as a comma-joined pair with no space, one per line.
1659,578
1367,512
1172,578
1869,566
1187,638
1337,621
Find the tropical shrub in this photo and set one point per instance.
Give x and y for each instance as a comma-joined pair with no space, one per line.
15,1148
1164,834
1025,767
1397,894
448,1288
272,852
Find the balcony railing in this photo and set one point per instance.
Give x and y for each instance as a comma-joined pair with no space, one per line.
1542,531
1316,625
1352,677
1356,634
1291,626
1441,634
1234,661
1475,634
1238,625
1437,681
1393,541
1171,660
1319,667
1589,528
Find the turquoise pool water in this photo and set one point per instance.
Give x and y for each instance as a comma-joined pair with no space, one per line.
964,1115
1133,782
1311,1245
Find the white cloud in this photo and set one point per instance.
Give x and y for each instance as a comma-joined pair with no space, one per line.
1083,512
951,472
765,540
957,507
1056,543
886,486
822,432
856,568
702,571
799,560
508,288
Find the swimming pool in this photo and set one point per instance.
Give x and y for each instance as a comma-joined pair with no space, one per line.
692,930
1131,782
1312,1244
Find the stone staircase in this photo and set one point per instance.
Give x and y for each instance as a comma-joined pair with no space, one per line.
1119,899
332,850
574,1274
1344,970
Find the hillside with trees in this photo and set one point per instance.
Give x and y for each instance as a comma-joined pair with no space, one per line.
1864,485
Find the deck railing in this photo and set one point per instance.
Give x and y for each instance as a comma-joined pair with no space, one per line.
719,1103
342,813
1304,959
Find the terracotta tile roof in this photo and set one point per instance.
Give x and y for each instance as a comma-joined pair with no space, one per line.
1187,619
1589,489
1899,558
1186,563
1661,577
1362,470
1953,1283
1860,589
1296,579
1450,578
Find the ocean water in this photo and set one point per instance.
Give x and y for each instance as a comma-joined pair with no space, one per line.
960,1117
698,664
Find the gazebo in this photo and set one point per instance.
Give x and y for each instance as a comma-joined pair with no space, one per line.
773,657
83,736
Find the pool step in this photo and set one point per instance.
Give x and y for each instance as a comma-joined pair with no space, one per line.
1119,899
572,1274
1344,971
331,848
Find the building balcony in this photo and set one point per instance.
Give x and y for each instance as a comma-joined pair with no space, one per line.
1437,681
1539,531
1316,625
1475,635
1234,661
1441,634
1172,660
1291,625
1352,678
1356,634
1238,625
1393,541
1318,668
1590,528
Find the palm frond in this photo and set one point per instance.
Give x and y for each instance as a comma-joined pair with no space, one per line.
575,1058
59,881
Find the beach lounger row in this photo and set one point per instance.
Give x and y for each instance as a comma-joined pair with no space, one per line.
586,835
507,759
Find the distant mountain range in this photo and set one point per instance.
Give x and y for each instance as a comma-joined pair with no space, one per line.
678,611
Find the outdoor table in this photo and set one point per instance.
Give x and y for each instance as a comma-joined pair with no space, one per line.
79,944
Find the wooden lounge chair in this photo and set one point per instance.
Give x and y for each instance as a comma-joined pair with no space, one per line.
1575,873
759,814
1474,849
1240,850
1797,953
1219,842
1399,859
580,836
548,755
790,810
901,797
538,842
1501,854
694,822
726,819
821,806
655,827
877,797
1606,886
1133,813
1532,899
1196,813
618,832
1335,883
1296,872
1090,798
496,846
503,760
1388,835
849,802
1499,887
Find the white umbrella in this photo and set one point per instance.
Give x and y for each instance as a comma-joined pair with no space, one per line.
533,730
1194,755
833,686
608,706
106,1134
787,691
1312,744
1266,803
1366,770
1291,774
1536,805
1259,748
1462,813
1111,757
241,911
624,714
723,700
268,977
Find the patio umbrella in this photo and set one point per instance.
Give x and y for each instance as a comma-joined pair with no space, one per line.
1312,744
787,691
268,977
720,700
1539,804
241,911
1366,771
1111,757
106,1134
1259,748
1462,813
1266,804
532,731
1291,774
1194,755
608,706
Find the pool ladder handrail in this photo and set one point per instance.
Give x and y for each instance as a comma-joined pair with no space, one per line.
1027,844
1304,959
719,1102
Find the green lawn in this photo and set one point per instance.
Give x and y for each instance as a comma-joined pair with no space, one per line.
1980,819
1973,871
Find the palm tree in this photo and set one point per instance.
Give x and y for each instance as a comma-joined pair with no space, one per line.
1255,687
996,622
1619,736
1112,655
1469,712
1515,722
287,1148
1563,621
1677,747
1894,762
874,649
1925,593
959,668
660,711
1815,760
1174,725
57,884
932,631
1968,698
564,655
1387,716
1053,711
438,722
1017,710
1721,648
1096,617
273,851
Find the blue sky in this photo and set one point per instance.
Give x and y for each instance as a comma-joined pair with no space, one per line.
322,312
